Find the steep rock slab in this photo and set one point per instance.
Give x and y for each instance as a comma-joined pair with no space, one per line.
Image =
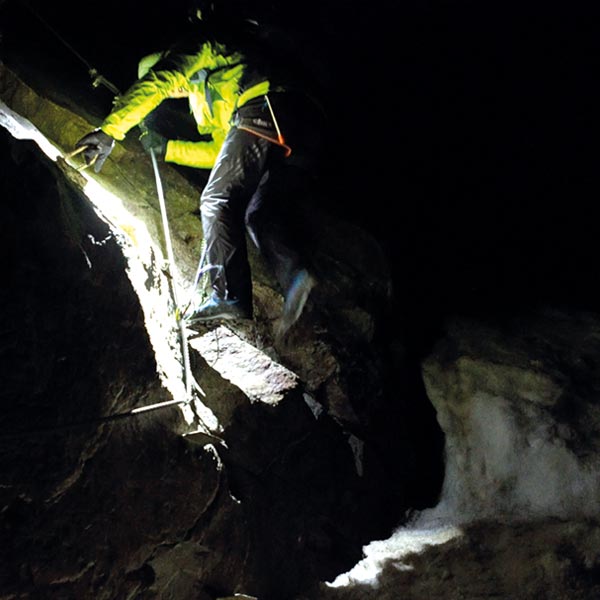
339,348
344,315
149,502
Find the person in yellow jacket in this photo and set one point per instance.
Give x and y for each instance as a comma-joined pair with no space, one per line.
261,132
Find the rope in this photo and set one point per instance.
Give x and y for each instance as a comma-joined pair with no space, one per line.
200,274
97,78
98,421
189,381
279,136
187,372
188,378
279,140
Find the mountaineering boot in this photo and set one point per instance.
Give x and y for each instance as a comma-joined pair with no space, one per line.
216,308
295,299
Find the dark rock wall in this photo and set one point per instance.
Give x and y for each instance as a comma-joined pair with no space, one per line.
74,338
99,503
74,350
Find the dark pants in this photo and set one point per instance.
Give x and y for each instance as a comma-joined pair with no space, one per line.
253,187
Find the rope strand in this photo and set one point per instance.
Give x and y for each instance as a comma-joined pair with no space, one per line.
93,72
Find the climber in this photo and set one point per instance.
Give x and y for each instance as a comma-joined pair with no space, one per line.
261,135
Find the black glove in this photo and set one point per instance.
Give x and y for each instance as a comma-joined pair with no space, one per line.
98,145
152,141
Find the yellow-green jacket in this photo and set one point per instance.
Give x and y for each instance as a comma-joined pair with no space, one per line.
218,82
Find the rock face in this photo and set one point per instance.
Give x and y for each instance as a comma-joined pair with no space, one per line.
99,502
255,489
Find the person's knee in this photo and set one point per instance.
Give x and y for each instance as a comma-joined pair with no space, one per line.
213,206
252,222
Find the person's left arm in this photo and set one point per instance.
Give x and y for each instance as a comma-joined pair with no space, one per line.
166,79
201,154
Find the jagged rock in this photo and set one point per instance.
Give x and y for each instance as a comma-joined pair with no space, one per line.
259,496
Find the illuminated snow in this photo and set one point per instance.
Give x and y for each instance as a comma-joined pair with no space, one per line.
405,541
